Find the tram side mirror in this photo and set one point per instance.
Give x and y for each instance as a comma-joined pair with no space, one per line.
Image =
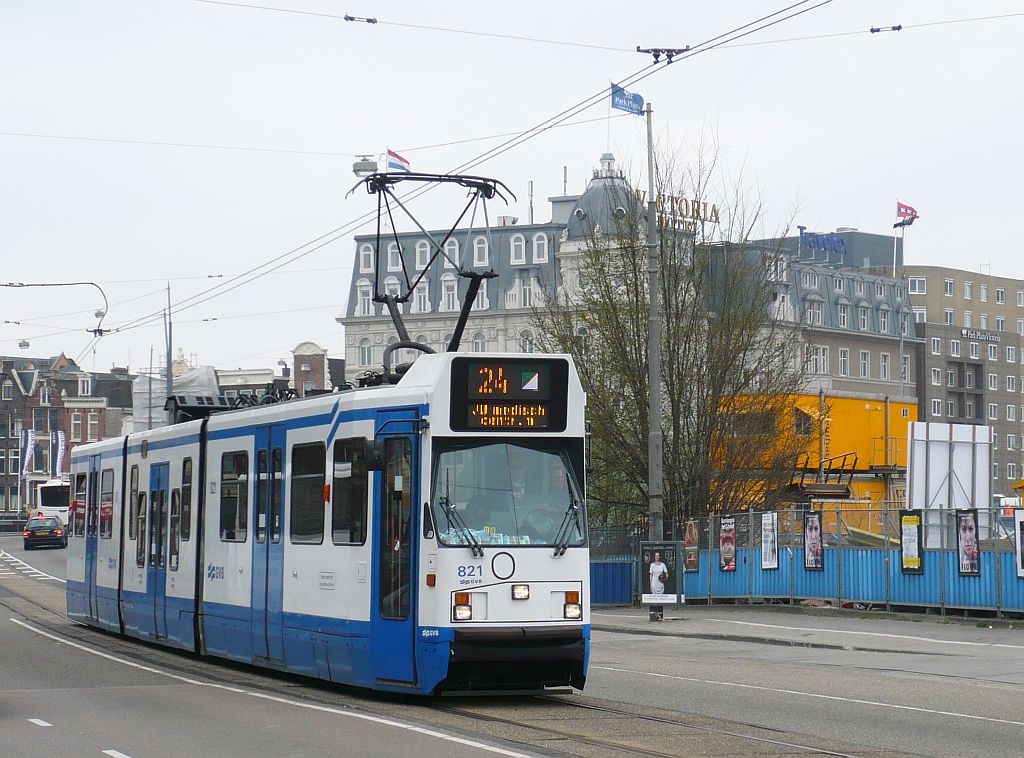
373,453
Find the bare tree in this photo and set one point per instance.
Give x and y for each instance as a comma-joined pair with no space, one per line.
730,368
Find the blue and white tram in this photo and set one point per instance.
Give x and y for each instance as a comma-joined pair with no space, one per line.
427,536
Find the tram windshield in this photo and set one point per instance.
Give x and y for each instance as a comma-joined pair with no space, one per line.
505,494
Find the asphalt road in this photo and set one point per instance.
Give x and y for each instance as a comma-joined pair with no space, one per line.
944,699
714,681
50,560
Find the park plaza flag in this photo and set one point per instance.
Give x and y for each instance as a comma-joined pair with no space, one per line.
626,101
904,211
397,163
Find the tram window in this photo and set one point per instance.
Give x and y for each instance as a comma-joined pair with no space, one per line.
140,529
133,501
261,497
348,506
106,503
91,506
276,496
79,513
186,499
172,551
395,537
307,494
234,496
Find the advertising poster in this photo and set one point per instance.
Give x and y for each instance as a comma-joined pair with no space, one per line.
1018,529
727,543
769,540
814,550
911,560
967,542
691,545
659,573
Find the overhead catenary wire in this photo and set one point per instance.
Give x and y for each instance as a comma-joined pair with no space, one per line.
570,43
317,243
331,236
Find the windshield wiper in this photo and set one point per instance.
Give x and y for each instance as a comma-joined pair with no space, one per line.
455,517
571,517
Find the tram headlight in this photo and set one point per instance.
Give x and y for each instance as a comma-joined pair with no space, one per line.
463,610
572,609
520,592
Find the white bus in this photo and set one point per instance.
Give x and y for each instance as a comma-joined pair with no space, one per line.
52,499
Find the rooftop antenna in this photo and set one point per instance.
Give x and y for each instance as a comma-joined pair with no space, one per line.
565,181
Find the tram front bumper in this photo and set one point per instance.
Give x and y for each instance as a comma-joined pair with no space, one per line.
517,657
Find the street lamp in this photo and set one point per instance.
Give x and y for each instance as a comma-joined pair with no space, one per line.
97,331
364,167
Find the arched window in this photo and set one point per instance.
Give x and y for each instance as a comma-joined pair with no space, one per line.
480,251
481,303
422,254
365,258
394,257
421,298
518,247
582,341
365,352
364,303
449,294
391,287
421,338
479,343
445,341
540,248
526,341
451,251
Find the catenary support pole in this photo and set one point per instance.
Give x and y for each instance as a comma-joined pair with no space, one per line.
655,503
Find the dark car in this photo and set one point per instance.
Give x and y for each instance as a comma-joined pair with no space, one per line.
45,530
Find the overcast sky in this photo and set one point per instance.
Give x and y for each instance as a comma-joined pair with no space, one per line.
830,129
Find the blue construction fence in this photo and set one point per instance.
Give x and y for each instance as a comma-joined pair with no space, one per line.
938,573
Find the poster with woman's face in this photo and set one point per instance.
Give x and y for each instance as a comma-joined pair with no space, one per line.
814,550
769,540
691,545
1018,529
727,543
659,565
967,542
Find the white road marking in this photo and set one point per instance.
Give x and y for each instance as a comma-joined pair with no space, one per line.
869,634
847,631
285,701
20,565
39,722
115,754
856,701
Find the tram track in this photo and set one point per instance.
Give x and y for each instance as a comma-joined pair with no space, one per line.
545,724
684,724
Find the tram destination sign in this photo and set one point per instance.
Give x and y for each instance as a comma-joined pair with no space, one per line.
509,394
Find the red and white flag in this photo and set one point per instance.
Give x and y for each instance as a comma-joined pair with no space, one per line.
905,211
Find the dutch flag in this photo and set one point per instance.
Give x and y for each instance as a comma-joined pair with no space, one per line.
397,162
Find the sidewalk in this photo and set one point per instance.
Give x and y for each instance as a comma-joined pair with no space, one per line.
816,627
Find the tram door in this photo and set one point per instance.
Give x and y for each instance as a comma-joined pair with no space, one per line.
156,571
268,547
394,608
91,531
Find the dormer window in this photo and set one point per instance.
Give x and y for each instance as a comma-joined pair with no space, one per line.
84,386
